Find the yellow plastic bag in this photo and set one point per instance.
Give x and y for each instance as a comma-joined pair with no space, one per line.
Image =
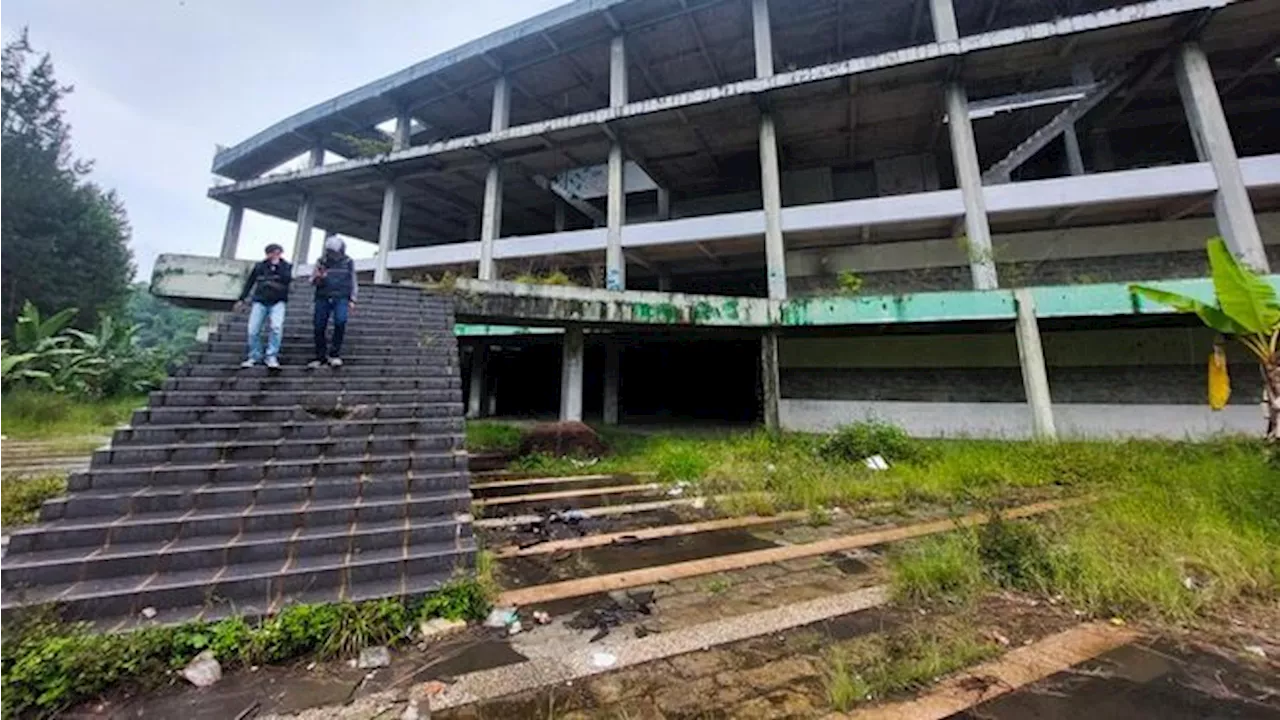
1219,381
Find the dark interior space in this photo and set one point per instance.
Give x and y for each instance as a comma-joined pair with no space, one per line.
663,378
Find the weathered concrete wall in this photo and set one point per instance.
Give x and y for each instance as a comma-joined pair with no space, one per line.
1013,420
1109,253
208,283
1131,382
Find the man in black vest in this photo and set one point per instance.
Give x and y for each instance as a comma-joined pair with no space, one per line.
335,279
269,282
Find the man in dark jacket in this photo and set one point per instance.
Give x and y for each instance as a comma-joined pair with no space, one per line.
269,283
335,279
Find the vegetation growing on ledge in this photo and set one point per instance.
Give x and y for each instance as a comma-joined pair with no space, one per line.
20,497
50,666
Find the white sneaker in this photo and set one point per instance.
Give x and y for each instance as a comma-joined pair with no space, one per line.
335,362
273,363
248,364
313,364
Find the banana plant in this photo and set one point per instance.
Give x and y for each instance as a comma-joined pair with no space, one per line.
1247,311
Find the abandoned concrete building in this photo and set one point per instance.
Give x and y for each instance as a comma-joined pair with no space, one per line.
809,212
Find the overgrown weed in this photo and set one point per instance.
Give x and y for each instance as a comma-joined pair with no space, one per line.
40,415
21,497
875,667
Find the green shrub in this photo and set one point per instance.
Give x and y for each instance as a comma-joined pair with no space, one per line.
1014,553
850,443
20,498
943,568
493,436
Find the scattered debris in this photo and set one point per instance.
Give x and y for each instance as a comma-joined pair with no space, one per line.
555,525
1256,650
999,638
374,657
603,659
148,612
561,439
614,610
1118,621
432,688
411,711
204,670
515,628
501,617
311,666
699,503
583,463
437,627
541,617
249,711
678,489
876,462
642,631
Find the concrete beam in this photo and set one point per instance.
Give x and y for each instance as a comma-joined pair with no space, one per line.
1212,136
1035,378
231,233
1061,27
571,372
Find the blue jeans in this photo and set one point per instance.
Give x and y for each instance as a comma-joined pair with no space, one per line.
275,331
337,307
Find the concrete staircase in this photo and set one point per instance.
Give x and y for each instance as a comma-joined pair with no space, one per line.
239,491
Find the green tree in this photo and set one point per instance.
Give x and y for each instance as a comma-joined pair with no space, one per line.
1246,310
65,238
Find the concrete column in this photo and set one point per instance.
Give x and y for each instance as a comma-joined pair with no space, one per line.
559,220
762,33
1075,161
1035,378
231,234
944,20
571,370
404,123
664,204
306,222
612,367
775,253
1212,137
616,211
770,383
476,404
491,212
615,262
306,214
964,153
388,230
664,281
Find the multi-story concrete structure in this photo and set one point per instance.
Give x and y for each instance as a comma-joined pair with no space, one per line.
879,152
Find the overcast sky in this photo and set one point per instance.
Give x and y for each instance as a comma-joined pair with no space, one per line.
159,83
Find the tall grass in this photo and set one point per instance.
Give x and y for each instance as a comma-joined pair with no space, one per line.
34,415
486,436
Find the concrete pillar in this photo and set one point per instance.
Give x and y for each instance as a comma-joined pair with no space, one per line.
775,253
388,230
770,384
964,153
762,33
404,124
476,404
1212,137
491,212
944,20
560,220
306,214
302,236
571,370
616,210
664,204
612,372
231,234
664,281
1035,378
1075,161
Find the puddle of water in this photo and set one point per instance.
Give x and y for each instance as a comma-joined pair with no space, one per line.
484,655
1139,682
540,569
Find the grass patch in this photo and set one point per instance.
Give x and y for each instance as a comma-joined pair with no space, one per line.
484,436
50,666
875,667
21,497
32,415
1179,529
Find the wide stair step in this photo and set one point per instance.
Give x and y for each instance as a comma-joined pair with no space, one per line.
243,490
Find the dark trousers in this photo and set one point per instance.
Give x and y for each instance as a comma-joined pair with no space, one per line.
337,307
